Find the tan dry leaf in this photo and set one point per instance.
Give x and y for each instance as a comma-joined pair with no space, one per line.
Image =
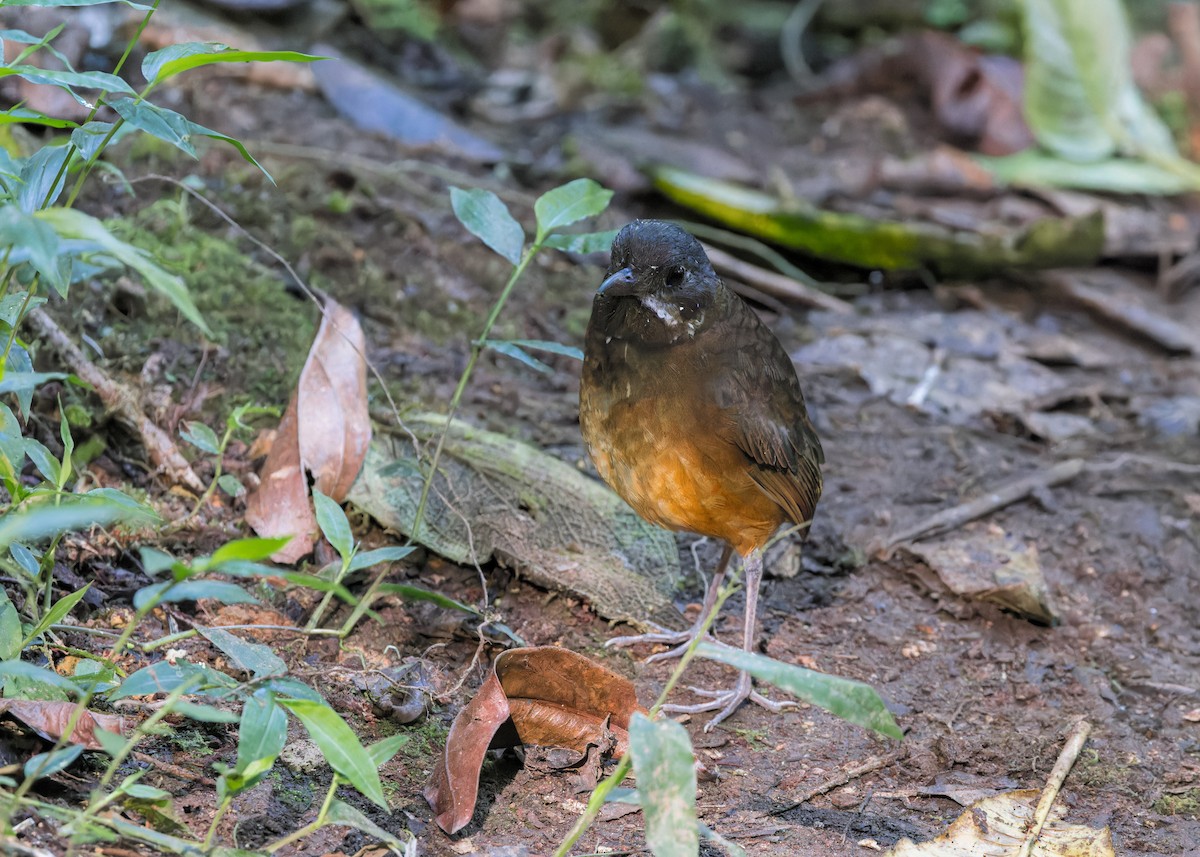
324,431
996,827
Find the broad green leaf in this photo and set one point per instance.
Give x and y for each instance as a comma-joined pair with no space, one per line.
550,346
70,223
25,116
67,3
334,526
141,791
509,349
135,512
569,204
366,559
110,742
35,522
487,218
252,550
341,812
381,751
24,558
319,584
10,629
164,677
155,562
254,658
850,700
293,688
13,382
587,242
192,590
665,766
56,613
202,437
231,485
65,80
263,730
43,460
28,672
42,178
416,593
91,137
162,65
19,229
1035,168
14,303
45,764
204,713
340,746
20,363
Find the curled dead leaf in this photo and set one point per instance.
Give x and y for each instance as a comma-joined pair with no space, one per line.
544,696
49,719
324,431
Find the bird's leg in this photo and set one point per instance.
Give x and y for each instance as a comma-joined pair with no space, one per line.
681,639
725,702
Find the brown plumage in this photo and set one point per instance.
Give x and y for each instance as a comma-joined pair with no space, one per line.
692,412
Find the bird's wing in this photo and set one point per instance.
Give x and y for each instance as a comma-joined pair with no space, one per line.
758,391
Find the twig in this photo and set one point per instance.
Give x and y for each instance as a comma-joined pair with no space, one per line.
775,285
1124,311
1058,774
173,770
1004,495
875,763
917,397
120,401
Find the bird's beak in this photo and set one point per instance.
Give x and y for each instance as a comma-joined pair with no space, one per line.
618,283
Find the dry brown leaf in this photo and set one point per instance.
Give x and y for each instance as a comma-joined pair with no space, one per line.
49,719
996,827
324,431
544,696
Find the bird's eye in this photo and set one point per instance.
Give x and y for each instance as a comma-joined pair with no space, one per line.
675,277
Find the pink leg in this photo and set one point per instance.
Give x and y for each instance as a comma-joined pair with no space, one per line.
680,639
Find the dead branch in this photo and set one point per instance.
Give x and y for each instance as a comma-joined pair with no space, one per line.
1004,495
120,402
1058,774
1126,312
775,285
875,763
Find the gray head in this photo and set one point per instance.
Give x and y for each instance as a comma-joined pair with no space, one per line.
658,260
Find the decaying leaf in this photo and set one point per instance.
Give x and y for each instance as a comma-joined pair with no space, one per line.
996,827
981,563
49,719
547,697
530,511
324,431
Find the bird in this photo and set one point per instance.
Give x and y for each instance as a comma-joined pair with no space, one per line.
692,412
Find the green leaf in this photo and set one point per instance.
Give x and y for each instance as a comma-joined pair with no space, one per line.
10,629
24,558
568,204
550,346
91,137
381,751
231,485
263,730
587,242
291,687
164,677
65,3
340,746
1037,169
65,80
254,658
135,512
68,442
192,590
341,812
203,713
28,672
416,593
487,218
16,382
508,349
110,742
665,766
334,526
850,700
43,460
202,437
45,764
20,362
252,550
42,177
19,229
35,522
165,64
55,614
366,559
1080,99
70,223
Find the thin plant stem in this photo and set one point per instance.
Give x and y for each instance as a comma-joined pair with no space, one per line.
312,826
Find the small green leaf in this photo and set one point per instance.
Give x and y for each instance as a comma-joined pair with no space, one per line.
340,746
850,700
341,812
296,689
36,522
416,593
381,751
162,65
203,713
665,765
20,230
366,559
231,485
192,590
25,558
10,629
254,658
28,672
568,204
587,242
487,218
252,550
202,437
110,742
334,526
43,460
15,382
45,764
263,730
550,346
55,614
66,80
164,677
508,349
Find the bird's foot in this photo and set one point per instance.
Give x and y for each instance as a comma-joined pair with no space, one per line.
725,702
679,640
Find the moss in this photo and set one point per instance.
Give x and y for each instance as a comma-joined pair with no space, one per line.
1186,803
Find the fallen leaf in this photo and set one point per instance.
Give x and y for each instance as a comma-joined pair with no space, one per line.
996,827
543,696
325,431
49,719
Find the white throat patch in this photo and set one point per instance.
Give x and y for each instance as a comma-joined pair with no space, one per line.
671,315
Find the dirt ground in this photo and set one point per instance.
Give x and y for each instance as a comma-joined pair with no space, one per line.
986,698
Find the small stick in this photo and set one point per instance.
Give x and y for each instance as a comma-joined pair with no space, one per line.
1004,495
775,285
121,402
1058,774
871,765
1124,311
173,770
